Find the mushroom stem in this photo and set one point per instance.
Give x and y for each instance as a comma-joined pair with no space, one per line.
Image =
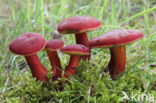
72,66
55,63
118,60
37,69
82,38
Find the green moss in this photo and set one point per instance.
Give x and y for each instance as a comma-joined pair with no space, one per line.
90,86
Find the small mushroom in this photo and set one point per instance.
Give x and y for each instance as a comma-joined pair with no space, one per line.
116,40
75,50
51,47
79,25
56,35
28,44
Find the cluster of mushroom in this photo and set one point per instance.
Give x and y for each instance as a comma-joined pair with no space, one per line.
29,44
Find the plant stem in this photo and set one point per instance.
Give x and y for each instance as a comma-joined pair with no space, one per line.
55,63
72,66
37,69
118,61
83,39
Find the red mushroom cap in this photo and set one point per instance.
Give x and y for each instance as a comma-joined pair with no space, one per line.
116,37
54,44
78,24
75,49
27,44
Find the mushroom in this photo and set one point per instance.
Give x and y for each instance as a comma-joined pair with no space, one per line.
116,40
28,44
75,50
79,25
56,35
51,47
